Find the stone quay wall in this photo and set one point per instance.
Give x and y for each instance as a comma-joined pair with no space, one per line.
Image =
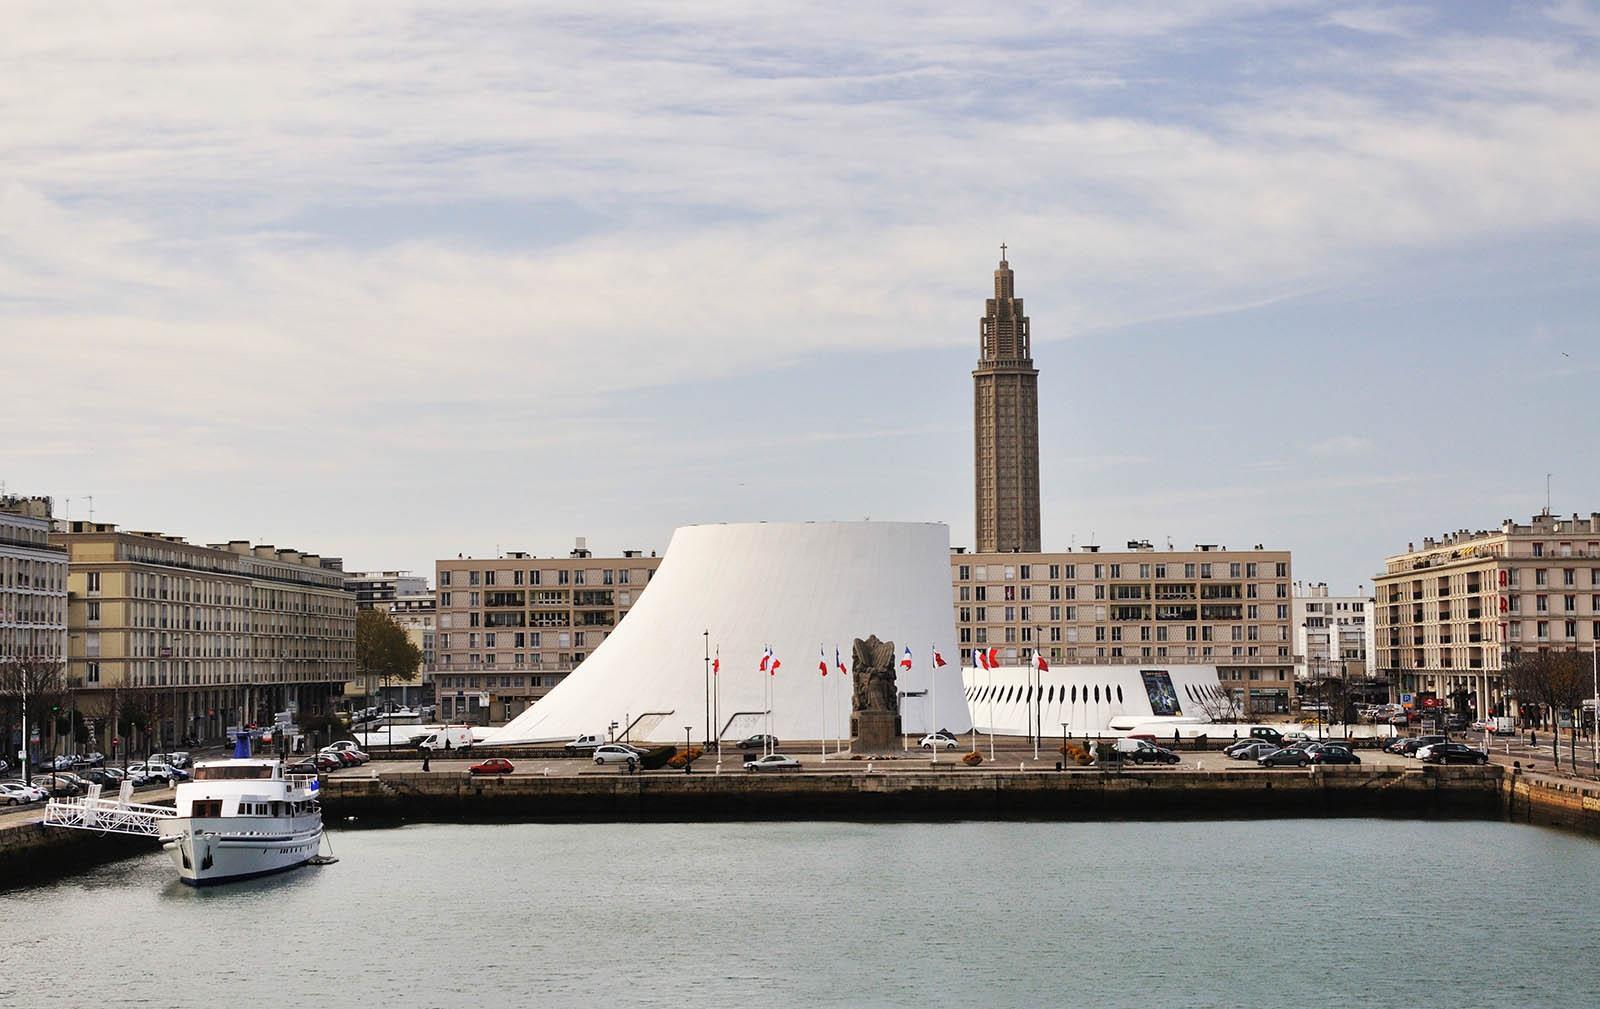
1551,802
922,794
33,853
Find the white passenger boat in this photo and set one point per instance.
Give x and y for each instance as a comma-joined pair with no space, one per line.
237,819
240,818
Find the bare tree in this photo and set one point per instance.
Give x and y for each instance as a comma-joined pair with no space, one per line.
1557,682
1220,707
1333,694
39,684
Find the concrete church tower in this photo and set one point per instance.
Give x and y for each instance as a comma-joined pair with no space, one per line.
1005,400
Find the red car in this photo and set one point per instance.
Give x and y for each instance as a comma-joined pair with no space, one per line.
494,765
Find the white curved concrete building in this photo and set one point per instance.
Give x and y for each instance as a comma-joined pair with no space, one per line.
1092,700
793,587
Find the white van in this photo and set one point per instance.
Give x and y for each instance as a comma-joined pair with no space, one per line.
458,736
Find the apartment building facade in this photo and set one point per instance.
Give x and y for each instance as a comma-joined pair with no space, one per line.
417,612
1334,635
1210,605
33,583
197,637
377,589
1453,614
510,628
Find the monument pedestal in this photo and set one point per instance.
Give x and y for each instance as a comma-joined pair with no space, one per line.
874,731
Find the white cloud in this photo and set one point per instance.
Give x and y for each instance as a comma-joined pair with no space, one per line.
754,186
1342,445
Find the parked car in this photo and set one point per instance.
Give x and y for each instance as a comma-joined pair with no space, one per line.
108,778
1268,733
615,753
58,784
1452,753
15,793
301,767
1297,738
1333,753
1410,747
1455,723
1288,756
939,740
772,762
327,762
494,765
583,744
759,741
1142,751
179,758
342,744
1252,750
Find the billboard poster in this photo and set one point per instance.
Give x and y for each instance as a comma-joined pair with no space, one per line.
1163,699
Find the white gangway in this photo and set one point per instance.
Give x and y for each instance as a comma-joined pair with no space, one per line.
114,816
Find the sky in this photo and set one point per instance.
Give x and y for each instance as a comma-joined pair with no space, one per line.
396,281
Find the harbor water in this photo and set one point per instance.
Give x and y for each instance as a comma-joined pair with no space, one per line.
987,914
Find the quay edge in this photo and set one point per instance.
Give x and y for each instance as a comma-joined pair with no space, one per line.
1080,794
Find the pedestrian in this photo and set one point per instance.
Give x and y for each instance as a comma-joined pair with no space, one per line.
1235,733
1533,738
426,752
1174,739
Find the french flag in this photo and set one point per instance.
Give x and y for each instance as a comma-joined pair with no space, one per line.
840,663
772,670
822,660
766,658
905,660
938,660
1040,662
981,658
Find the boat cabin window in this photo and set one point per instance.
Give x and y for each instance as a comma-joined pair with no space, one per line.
232,772
207,807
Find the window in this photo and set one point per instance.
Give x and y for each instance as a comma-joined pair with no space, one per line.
91,673
93,579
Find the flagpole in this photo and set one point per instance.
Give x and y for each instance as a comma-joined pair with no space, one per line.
933,687
1038,676
716,703
844,717
991,706
822,660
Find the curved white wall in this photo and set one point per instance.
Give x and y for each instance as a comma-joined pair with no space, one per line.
793,586
1088,698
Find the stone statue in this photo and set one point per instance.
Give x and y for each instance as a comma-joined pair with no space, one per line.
873,674
875,714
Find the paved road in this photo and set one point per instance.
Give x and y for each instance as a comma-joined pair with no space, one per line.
1008,755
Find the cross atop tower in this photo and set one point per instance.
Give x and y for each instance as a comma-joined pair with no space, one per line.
1002,252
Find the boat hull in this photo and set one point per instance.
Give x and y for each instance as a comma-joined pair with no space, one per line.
208,851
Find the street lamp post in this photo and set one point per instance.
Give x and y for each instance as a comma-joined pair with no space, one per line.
688,731
991,711
707,635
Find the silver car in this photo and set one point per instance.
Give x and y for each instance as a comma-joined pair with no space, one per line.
615,753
